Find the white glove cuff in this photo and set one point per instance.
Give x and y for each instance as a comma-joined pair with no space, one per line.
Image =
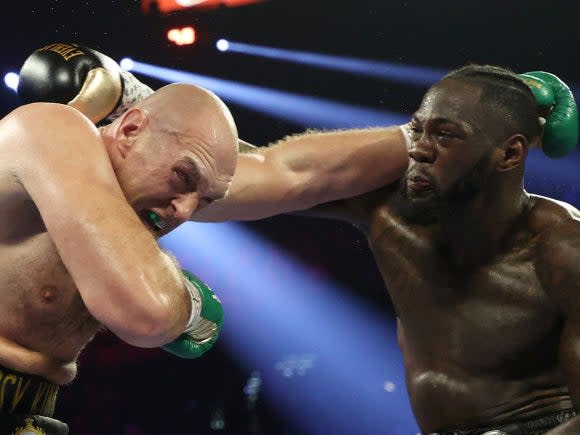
406,130
133,92
194,321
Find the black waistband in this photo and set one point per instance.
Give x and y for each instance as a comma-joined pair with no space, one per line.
536,426
26,394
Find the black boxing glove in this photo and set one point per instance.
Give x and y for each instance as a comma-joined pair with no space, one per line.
81,77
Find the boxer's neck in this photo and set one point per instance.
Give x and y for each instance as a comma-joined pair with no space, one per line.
477,231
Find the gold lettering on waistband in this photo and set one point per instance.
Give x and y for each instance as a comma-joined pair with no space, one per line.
9,378
34,408
49,401
19,393
67,51
44,398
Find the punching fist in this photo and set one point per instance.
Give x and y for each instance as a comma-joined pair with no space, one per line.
81,77
200,336
562,125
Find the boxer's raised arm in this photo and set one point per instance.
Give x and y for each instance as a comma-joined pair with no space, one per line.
124,279
302,171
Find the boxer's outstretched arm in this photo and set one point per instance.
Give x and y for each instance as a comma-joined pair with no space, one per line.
302,171
559,270
124,279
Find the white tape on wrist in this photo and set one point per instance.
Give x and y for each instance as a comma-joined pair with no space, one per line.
406,130
195,320
133,92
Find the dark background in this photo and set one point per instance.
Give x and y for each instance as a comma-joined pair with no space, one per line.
122,390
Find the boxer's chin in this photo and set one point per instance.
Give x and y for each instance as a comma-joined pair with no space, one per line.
418,206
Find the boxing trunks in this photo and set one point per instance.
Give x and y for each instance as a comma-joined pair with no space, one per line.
536,426
27,404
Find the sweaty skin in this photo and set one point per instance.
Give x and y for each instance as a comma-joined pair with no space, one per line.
484,282
480,344
485,295
78,254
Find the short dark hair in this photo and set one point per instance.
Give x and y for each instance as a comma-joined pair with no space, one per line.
502,87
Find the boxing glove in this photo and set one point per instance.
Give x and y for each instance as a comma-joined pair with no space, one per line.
200,336
562,126
81,77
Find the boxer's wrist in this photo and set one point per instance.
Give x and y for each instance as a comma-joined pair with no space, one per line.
194,321
133,92
203,327
406,130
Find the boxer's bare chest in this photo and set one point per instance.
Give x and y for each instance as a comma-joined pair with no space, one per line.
41,307
473,318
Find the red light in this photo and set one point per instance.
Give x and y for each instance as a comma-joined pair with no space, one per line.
167,6
181,36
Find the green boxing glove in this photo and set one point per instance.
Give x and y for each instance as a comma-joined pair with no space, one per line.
201,333
561,128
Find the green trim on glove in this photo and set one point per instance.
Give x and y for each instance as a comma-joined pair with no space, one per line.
561,131
186,346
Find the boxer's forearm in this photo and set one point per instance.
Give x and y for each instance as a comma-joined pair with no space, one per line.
124,279
302,171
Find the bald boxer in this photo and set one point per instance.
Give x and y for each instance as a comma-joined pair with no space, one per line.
78,244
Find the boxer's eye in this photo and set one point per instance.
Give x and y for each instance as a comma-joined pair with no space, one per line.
184,177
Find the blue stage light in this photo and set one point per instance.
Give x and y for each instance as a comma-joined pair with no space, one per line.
222,45
11,81
328,361
418,75
303,110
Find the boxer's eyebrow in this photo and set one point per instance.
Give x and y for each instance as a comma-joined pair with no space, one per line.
464,125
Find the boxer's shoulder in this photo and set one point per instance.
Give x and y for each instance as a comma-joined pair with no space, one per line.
36,134
558,246
549,216
47,118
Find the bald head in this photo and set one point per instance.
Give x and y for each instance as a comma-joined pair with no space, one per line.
174,152
195,115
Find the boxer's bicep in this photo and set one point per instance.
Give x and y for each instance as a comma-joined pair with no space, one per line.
112,258
569,356
558,266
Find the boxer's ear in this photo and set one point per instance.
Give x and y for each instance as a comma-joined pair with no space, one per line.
131,123
512,153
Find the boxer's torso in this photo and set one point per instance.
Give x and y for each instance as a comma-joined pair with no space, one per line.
40,309
479,342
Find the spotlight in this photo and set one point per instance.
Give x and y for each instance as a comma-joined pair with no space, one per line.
11,81
419,75
222,45
303,110
189,3
181,36
127,64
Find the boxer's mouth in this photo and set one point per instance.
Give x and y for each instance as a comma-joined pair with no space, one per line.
154,220
419,183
